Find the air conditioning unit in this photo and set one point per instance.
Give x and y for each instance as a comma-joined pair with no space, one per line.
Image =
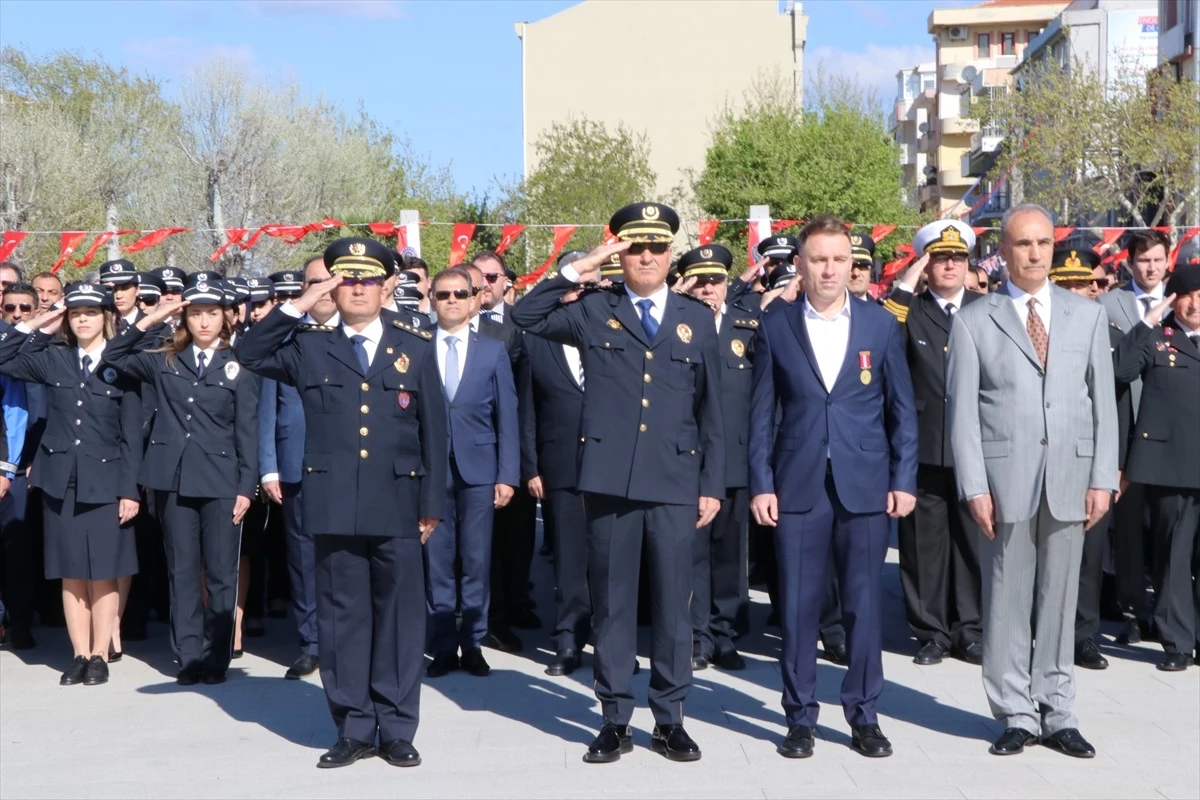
958,33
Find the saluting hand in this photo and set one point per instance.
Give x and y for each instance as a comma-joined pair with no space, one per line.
127,509
1155,315
159,313
588,267
752,271
765,508
314,292
913,273
240,506
48,322
684,286
427,526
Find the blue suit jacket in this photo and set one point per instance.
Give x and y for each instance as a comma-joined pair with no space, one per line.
484,435
280,431
868,429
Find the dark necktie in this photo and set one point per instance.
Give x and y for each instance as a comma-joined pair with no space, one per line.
950,309
491,315
122,325
1037,332
649,325
85,367
200,365
360,350
1147,303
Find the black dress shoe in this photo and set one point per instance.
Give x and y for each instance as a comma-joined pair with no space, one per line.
400,753
97,671
442,664
837,654
730,660
504,640
870,741
1012,742
971,654
114,655
1088,656
473,662
930,653
798,743
345,753
304,665
75,673
566,662
21,639
1175,662
254,628
1131,633
211,677
526,620
609,744
673,742
237,653
699,662
1070,742
188,676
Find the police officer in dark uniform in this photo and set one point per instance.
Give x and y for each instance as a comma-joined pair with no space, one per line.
374,487
720,550
652,464
1164,455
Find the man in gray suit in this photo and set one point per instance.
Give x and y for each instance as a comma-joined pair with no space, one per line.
1033,428
1127,307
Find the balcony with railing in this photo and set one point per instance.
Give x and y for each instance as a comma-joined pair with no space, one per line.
994,208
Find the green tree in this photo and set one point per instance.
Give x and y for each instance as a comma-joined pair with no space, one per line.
834,157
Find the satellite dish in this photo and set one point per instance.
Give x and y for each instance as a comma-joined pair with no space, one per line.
930,170
968,74
923,127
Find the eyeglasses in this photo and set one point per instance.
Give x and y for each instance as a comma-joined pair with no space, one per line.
942,258
11,307
368,282
657,248
459,294
492,277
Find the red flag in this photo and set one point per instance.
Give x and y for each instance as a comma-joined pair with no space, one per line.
1062,233
879,232
980,230
152,239
1116,258
561,234
706,229
460,240
508,235
382,228
780,224
401,239
305,230
894,268
1191,233
70,240
11,240
752,240
232,236
1110,236
101,240
607,237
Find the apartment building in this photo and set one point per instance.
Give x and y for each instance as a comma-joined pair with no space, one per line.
1178,28
909,120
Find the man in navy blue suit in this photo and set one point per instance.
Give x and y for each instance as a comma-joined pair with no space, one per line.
484,450
843,461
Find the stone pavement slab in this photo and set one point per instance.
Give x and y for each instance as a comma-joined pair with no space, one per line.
520,733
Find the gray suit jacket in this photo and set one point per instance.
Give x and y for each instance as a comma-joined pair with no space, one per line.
1122,308
1013,431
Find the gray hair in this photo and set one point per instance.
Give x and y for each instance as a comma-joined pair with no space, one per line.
1023,208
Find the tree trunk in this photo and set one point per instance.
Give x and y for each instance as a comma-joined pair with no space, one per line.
216,214
113,248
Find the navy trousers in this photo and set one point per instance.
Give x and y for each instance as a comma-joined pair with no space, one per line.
803,544
566,526
302,568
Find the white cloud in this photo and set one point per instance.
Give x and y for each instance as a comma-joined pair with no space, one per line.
178,55
361,9
875,67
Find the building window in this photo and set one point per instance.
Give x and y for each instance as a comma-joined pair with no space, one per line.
928,81
1008,44
983,45
1170,14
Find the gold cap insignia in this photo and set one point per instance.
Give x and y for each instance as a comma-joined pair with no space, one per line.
683,332
650,212
951,234
358,249
1073,262
738,347
856,240
706,253
616,326
401,363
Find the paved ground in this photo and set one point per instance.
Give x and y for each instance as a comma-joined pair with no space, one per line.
520,733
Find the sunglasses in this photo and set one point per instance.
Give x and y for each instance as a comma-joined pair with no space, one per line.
148,301
492,277
657,248
11,307
1101,282
459,294
368,282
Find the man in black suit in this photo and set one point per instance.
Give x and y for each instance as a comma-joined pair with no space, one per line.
550,420
720,550
1164,455
374,486
653,461
939,544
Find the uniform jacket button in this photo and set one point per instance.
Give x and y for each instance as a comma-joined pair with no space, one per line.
362,431
362,453
366,386
649,355
364,409
642,427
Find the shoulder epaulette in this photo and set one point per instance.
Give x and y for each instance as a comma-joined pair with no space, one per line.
745,323
899,311
308,326
414,331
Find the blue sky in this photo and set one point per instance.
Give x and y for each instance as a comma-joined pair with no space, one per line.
445,74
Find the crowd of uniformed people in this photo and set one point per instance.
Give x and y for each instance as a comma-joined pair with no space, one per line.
363,447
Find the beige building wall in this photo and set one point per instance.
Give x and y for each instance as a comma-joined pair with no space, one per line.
661,67
989,36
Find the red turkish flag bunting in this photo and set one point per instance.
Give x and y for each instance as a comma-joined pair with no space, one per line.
1062,233
780,224
70,240
1110,236
879,232
608,237
508,235
1191,233
232,236
561,234
11,240
152,239
278,231
305,230
894,268
980,230
101,240
706,229
382,228
460,240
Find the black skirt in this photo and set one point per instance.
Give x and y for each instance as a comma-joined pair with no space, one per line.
86,542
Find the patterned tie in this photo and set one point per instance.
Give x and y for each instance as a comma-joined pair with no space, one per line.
950,309
452,376
85,365
360,350
1037,332
200,365
649,324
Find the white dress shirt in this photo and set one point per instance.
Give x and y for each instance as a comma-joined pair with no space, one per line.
957,300
574,363
208,357
659,300
1020,299
464,337
829,339
1156,297
721,315
497,313
373,333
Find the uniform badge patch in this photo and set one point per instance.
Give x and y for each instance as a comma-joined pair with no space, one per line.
683,332
401,363
404,398
109,375
616,326
232,369
739,349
